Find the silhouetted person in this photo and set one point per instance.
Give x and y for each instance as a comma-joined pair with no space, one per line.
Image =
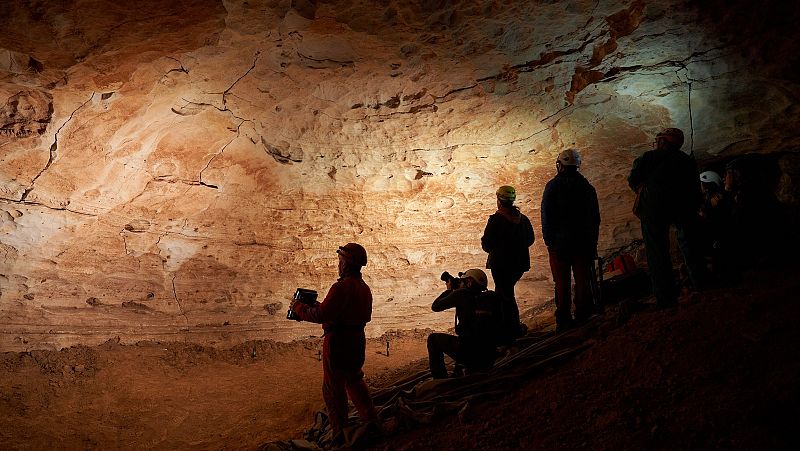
756,217
570,227
347,308
478,325
507,237
666,182
716,216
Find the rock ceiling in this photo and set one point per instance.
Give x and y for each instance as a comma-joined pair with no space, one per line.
174,170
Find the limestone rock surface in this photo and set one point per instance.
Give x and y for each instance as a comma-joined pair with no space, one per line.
174,170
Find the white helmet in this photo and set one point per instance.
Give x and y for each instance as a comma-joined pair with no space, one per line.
711,177
477,275
570,157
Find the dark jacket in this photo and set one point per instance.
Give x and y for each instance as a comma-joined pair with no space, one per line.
671,188
716,218
507,237
481,316
570,215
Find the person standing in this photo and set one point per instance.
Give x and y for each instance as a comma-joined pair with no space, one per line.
570,228
344,313
665,180
506,238
756,213
716,213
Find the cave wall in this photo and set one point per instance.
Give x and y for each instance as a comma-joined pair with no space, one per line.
174,170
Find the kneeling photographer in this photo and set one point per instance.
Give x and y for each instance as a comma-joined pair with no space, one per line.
479,324
344,313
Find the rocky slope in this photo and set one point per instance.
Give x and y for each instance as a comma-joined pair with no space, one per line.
718,373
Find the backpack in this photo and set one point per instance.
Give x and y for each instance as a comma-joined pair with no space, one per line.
621,264
484,323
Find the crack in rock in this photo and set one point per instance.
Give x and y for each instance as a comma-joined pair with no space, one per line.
238,134
283,152
53,150
49,207
179,69
621,23
225,92
506,74
124,241
178,301
327,61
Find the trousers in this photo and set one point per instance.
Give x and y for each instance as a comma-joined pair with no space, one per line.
342,360
504,282
659,260
474,357
563,268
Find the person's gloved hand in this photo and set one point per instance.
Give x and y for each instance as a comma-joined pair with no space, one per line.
295,306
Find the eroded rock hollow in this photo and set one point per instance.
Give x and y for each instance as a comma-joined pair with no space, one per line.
174,170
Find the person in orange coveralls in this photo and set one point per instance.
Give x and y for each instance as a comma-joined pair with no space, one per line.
344,312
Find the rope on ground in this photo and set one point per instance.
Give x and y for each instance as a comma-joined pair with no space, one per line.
418,399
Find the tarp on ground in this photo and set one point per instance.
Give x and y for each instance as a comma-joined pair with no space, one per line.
419,399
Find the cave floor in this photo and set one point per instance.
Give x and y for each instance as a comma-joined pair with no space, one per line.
719,372
174,395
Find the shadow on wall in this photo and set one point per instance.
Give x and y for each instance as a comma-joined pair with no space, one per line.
766,29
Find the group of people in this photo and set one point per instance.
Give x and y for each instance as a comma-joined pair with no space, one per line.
668,193
487,320
710,217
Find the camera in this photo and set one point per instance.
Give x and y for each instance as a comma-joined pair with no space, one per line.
305,296
455,282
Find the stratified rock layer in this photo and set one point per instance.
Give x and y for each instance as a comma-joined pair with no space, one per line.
174,170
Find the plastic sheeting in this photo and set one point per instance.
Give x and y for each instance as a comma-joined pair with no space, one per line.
418,399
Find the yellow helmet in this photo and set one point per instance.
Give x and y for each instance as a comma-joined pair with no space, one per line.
507,193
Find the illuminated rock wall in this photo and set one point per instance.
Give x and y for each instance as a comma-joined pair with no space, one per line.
174,170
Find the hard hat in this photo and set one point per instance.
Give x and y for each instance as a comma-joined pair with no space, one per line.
353,253
507,193
569,157
672,135
711,177
477,275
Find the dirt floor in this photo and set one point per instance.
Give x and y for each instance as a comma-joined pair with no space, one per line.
172,395
720,372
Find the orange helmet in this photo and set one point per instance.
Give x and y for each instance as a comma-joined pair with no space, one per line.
353,253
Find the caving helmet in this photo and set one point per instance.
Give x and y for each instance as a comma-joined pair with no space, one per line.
353,253
569,157
507,193
711,177
477,275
